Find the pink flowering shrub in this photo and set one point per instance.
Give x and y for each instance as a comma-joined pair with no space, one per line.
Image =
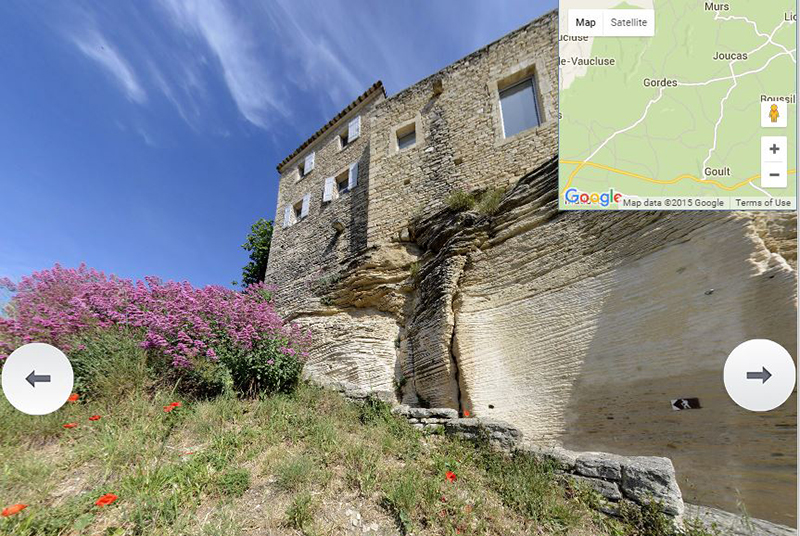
194,329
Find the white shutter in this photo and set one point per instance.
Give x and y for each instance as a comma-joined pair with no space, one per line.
354,129
352,178
306,204
309,165
287,216
327,193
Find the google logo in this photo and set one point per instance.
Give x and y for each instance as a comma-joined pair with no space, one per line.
573,196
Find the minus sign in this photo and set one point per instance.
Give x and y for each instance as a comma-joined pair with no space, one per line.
774,174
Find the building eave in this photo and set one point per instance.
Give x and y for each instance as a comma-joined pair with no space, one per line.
369,93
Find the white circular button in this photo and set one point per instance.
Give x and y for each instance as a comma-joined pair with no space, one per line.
759,375
37,378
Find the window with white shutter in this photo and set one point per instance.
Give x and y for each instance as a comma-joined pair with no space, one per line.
352,178
305,206
287,216
327,193
354,129
307,165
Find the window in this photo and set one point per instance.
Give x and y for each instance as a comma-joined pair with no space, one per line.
351,134
306,166
519,108
406,137
341,183
294,213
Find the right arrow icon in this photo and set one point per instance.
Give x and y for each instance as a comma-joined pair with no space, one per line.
764,375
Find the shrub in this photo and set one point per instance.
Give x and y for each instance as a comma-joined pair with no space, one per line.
183,328
268,366
489,201
486,202
460,200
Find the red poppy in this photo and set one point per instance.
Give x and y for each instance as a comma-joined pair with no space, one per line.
466,413
443,499
106,499
95,418
450,476
167,409
14,509
71,425
73,397
176,404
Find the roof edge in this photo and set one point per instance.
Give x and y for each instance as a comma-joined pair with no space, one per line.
377,86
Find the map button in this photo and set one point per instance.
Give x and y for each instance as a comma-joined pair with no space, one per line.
629,23
759,375
773,162
773,114
37,378
585,22
773,175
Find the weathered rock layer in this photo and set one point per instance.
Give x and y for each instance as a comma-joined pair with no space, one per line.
581,328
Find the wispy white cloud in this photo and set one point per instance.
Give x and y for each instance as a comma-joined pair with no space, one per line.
252,87
312,41
97,48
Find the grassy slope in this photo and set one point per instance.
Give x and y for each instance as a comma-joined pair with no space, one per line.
306,463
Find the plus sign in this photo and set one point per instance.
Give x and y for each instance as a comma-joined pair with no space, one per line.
774,149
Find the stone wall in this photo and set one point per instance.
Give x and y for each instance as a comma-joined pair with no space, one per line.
460,141
307,257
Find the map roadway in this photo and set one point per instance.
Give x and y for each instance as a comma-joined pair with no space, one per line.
733,77
671,181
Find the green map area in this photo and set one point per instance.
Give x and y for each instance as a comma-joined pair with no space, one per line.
676,120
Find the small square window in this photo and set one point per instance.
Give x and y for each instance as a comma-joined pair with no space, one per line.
519,107
406,137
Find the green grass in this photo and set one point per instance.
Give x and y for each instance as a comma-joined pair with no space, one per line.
300,513
302,458
486,202
460,200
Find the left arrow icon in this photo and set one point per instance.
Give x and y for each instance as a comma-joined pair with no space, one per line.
33,378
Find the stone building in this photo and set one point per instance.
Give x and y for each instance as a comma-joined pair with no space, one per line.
578,328
348,194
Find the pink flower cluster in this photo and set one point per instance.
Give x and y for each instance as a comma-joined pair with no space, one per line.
183,322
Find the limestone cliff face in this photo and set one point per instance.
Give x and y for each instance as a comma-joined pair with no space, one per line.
579,328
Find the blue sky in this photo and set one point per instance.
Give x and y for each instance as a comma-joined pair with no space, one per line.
142,137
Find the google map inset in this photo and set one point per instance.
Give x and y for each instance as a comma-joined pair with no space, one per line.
677,105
